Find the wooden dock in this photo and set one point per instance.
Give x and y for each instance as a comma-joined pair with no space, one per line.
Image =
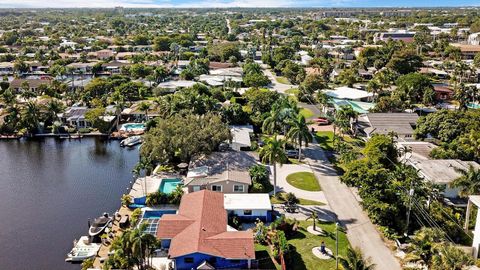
104,249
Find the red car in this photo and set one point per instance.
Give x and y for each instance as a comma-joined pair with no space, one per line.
321,121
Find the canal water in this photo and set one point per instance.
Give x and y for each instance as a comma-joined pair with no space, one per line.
49,189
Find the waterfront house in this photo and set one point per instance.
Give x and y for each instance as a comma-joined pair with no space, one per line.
198,236
225,172
75,116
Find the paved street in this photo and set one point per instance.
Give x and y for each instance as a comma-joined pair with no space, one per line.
276,86
361,232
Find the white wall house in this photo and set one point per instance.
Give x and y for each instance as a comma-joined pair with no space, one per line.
248,205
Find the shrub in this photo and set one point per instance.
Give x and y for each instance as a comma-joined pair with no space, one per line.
126,200
135,216
84,130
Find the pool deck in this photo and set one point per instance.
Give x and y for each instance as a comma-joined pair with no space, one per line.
104,249
145,185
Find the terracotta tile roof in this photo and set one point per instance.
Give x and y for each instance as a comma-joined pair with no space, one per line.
201,227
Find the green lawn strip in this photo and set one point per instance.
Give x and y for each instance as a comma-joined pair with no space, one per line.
274,200
304,180
301,256
282,80
307,113
292,91
325,139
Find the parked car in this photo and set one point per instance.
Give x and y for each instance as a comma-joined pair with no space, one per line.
321,121
291,153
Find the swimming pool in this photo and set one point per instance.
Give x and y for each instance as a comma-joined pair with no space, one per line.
169,185
151,218
133,127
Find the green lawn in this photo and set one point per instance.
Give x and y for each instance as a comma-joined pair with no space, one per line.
292,91
325,139
304,180
307,113
282,79
301,257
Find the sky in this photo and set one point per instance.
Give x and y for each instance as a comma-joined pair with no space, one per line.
232,3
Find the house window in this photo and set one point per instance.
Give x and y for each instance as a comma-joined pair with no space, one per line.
217,188
196,188
188,260
237,188
247,212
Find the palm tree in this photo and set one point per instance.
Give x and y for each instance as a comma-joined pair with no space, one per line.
354,261
272,123
468,182
31,117
299,133
53,108
272,153
314,216
144,106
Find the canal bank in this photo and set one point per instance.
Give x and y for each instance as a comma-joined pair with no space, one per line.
49,189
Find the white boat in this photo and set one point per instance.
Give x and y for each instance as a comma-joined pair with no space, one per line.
131,141
100,224
82,250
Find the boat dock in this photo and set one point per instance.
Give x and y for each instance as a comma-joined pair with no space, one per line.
116,230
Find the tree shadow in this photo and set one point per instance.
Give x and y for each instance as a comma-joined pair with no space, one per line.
294,260
264,260
298,234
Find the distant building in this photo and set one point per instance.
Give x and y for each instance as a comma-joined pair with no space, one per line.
468,51
241,137
396,36
473,39
32,84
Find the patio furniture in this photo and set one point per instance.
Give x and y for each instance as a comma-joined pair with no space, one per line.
124,222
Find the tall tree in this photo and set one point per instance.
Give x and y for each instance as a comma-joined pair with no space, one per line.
299,133
468,182
272,153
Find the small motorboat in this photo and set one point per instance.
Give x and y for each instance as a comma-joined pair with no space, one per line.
131,141
82,250
100,224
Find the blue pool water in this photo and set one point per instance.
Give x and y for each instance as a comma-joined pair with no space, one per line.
133,126
151,218
169,185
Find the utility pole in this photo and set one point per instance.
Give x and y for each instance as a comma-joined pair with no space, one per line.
410,193
336,244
